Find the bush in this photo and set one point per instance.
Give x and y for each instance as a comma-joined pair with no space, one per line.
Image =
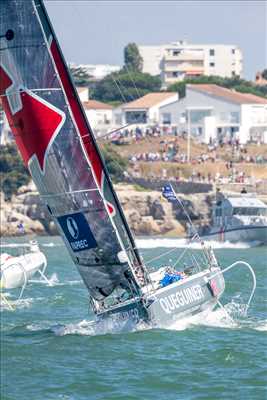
240,85
13,173
116,165
125,86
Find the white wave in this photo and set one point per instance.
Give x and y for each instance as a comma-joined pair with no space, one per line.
14,245
181,243
51,244
262,326
27,244
13,305
96,328
52,281
217,318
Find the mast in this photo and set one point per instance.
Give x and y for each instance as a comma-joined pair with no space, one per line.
90,135
59,148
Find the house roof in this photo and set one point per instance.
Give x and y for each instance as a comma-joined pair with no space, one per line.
149,100
227,94
96,105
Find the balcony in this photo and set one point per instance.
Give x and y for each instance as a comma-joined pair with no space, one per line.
184,57
186,68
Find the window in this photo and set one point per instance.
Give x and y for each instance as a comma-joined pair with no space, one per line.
233,51
218,212
251,211
212,64
175,74
234,117
135,117
166,118
212,52
197,116
175,52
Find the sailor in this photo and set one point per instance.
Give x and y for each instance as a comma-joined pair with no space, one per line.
21,229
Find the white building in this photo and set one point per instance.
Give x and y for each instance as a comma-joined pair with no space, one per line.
97,71
6,136
211,111
83,93
178,60
99,116
144,110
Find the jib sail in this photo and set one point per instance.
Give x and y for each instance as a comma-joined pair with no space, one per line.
58,146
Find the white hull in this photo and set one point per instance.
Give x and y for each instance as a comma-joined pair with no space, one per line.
16,271
199,292
241,234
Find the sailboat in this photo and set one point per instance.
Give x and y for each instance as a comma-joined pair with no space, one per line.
58,147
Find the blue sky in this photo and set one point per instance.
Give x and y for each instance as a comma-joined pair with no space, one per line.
95,32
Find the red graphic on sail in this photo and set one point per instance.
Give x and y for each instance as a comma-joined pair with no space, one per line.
34,124
81,124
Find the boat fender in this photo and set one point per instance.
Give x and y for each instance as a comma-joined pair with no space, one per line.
213,287
210,287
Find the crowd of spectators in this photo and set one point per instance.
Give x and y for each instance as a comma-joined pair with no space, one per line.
171,150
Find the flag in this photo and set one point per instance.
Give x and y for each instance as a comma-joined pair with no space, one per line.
168,193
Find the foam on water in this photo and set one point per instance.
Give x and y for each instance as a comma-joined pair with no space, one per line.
27,244
181,243
18,304
262,327
54,281
97,328
232,316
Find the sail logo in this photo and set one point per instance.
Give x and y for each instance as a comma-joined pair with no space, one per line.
73,227
181,298
35,122
77,232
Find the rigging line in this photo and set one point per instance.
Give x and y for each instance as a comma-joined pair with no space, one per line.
125,90
162,255
122,95
116,130
130,75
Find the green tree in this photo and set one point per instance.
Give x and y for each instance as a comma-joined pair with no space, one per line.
115,163
80,76
13,173
124,86
132,58
240,85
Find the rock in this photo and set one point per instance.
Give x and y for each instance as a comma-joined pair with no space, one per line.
148,226
146,212
157,210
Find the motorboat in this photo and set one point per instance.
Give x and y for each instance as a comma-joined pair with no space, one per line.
16,271
237,218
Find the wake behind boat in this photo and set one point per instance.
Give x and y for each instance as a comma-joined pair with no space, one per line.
59,148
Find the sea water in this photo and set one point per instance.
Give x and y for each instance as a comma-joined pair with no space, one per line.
51,348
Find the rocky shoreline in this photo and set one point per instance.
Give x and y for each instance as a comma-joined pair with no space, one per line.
146,211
